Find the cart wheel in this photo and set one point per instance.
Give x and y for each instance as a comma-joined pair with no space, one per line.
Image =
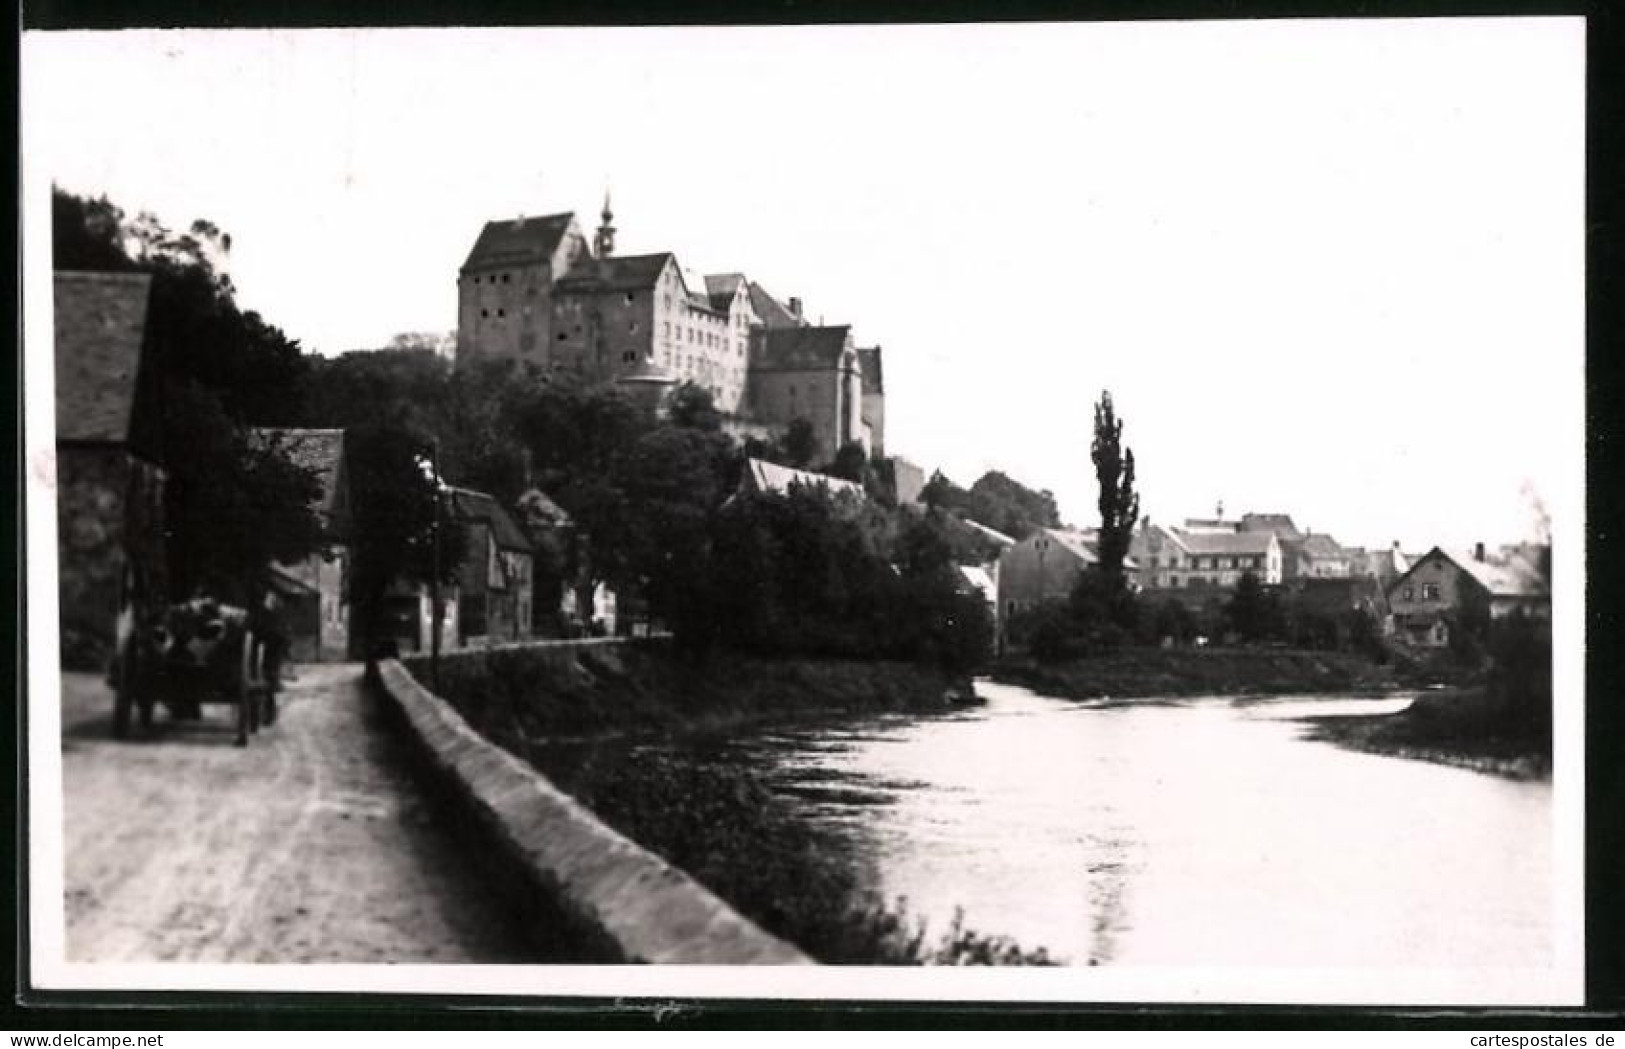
245,693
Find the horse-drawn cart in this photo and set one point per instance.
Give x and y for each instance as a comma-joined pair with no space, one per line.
188,655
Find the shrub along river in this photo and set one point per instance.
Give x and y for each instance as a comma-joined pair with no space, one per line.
1182,832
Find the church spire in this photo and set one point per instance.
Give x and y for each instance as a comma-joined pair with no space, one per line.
606,232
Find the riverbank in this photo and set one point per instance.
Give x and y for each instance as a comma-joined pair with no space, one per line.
579,694
1145,672
575,714
1463,727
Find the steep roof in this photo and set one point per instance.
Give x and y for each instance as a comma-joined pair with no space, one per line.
1079,543
1204,544
799,349
478,506
617,273
722,287
989,533
321,451
514,242
1502,576
869,361
1280,524
772,312
1321,546
101,321
771,477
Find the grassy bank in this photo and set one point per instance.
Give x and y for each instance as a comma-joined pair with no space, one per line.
1466,727
1142,672
613,690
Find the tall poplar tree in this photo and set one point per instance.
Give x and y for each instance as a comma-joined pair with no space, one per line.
1119,502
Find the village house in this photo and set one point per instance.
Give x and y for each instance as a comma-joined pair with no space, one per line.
494,580
110,553
1426,599
1205,554
317,609
1045,566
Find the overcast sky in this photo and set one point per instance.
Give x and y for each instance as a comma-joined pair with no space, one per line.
1334,269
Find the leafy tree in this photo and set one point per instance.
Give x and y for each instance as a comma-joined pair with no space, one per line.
674,479
1252,612
212,370
232,505
693,407
800,442
851,462
1118,501
940,493
395,514
1006,505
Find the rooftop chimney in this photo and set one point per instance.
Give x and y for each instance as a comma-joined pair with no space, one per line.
1478,552
795,305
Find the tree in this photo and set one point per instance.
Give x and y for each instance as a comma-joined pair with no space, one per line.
211,371
1006,505
1118,501
800,442
851,462
1251,612
402,529
692,406
232,505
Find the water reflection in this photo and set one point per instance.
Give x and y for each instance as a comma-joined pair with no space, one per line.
1191,832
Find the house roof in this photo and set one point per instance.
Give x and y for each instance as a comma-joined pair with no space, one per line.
1320,546
478,506
799,349
771,477
772,312
1502,577
514,242
1204,544
617,273
722,287
321,451
101,322
869,361
1079,543
1280,524
979,579
996,536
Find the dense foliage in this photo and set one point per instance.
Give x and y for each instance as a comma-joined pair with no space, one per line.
997,501
233,504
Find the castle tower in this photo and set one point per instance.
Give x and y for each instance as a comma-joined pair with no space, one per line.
605,242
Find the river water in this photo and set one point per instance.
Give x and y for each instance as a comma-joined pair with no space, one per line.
1200,832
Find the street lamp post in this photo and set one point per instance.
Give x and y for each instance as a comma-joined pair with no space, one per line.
434,580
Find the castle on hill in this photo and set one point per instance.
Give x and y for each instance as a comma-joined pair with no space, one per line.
537,290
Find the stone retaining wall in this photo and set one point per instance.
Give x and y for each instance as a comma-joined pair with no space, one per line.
641,908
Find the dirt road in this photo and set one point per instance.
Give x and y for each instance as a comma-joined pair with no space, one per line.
314,844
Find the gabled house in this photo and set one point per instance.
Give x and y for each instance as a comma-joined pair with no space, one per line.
1221,558
1426,598
1045,566
494,582
1315,556
110,488
313,591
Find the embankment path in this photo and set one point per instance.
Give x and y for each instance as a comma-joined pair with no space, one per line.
315,844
